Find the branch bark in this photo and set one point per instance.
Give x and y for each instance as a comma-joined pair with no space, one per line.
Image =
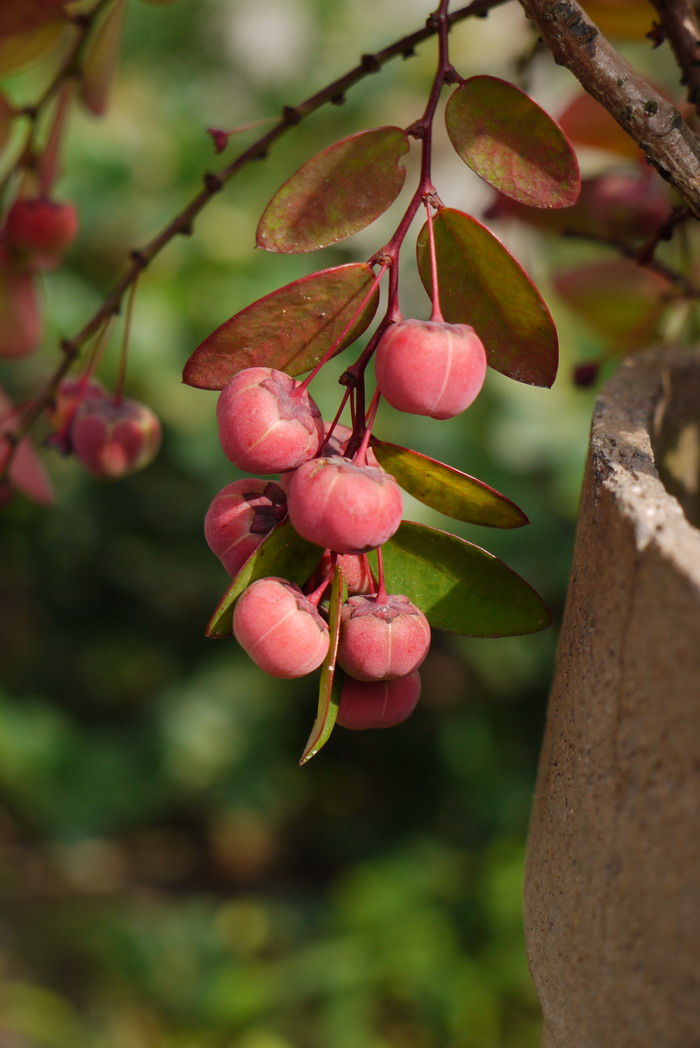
657,127
679,22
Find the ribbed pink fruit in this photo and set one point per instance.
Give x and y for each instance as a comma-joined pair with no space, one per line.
427,367
344,507
377,704
267,422
280,629
113,438
382,640
239,518
40,230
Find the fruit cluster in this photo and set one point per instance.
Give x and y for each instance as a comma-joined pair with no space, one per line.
343,502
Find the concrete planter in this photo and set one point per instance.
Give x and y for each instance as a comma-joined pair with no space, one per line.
612,893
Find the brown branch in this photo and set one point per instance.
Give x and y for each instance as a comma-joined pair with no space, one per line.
680,27
657,127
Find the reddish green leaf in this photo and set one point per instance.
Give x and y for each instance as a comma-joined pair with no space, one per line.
101,59
618,299
289,329
481,284
447,490
282,553
331,675
458,586
5,121
587,122
336,193
28,28
511,143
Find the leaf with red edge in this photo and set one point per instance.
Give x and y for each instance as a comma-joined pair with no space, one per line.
101,57
282,553
331,675
290,329
588,123
5,121
481,284
26,472
446,489
336,193
510,142
622,301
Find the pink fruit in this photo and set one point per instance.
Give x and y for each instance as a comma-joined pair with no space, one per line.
377,704
40,230
240,517
112,439
280,629
267,422
430,368
382,640
356,572
71,393
343,507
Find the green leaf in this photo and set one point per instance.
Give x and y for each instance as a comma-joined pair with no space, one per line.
458,586
446,489
481,284
282,553
336,193
331,675
512,144
290,329
617,298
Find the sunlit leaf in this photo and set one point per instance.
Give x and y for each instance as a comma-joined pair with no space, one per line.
289,329
588,123
460,587
481,284
446,489
512,144
331,675
282,553
101,59
618,299
336,193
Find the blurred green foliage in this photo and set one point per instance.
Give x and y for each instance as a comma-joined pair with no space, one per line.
170,878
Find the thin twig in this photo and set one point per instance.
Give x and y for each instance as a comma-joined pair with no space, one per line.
679,22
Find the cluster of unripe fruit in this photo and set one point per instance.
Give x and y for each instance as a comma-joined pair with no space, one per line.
268,423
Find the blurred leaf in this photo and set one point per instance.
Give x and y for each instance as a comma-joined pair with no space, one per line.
446,489
481,284
28,28
331,677
21,324
5,121
620,300
512,144
290,329
336,193
587,122
100,62
26,473
283,553
625,19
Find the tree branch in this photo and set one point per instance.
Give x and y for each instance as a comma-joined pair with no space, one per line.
679,23
661,133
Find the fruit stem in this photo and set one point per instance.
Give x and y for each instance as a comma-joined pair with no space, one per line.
126,336
360,456
381,588
436,314
334,423
315,596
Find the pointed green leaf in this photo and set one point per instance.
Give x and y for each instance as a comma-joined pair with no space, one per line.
511,143
617,298
290,329
446,489
331,675
282,553
336,193
481,284
458,586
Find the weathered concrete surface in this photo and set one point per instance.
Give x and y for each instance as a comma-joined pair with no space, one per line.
612,894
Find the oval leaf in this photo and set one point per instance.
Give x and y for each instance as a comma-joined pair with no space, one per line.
587,122
282,553
41,29
336,193
101,57
458,586
331,675
448,490
290,329
511,143
617,298
481,284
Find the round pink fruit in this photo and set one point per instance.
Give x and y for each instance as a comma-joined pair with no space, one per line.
382,640
113,438
427,367
267,422
41,230
377,704
344,507
240,517
280,629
